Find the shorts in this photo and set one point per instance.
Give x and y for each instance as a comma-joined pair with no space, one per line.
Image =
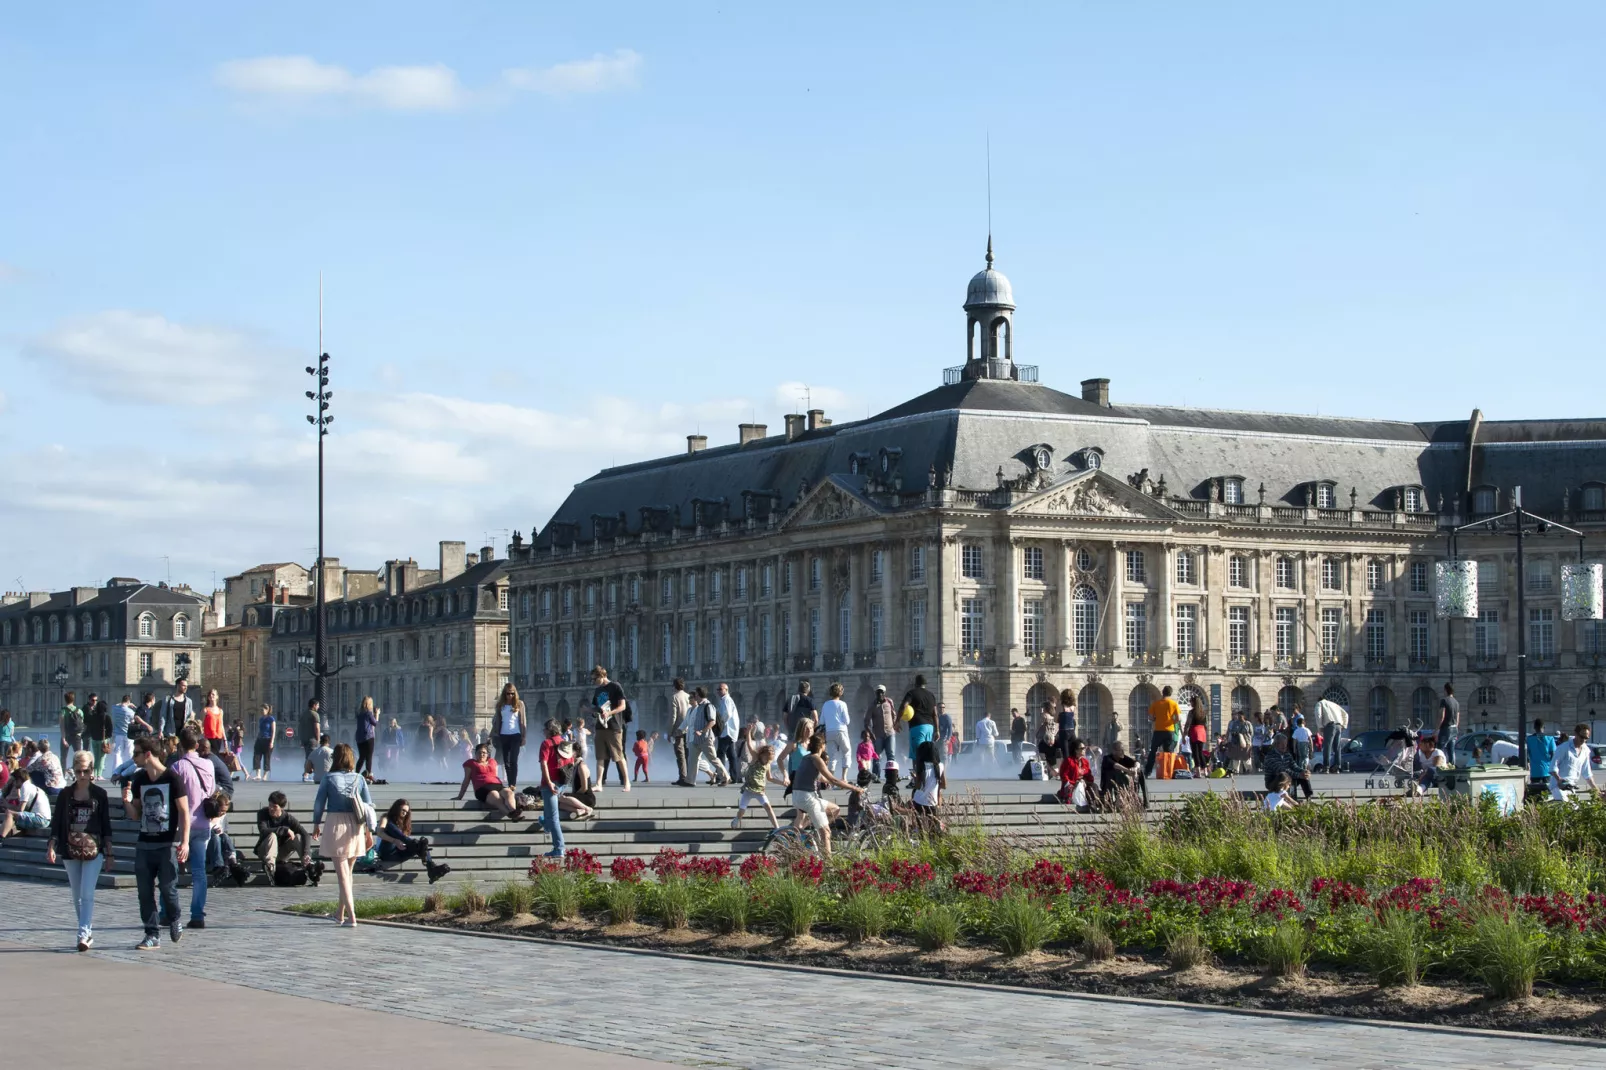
482,790
812,807
750,797
918,734
27,819
611,744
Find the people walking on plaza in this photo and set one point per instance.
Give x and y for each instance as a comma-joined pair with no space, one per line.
1570,769
511,731
1198,732
1541,757
27,807
613,713
1047,738
1334,722
1065,718
865,756
397,843
481,772
160,807
813,774
730,727
1164,715
1017,736
177,710
366,735
200,781
237,737
680,730
946,740
81,838
799,705
1240,737
882,722
343,798
309,726
71,725
986,730
705,737
836,721
919,711
320,760
262,747
395,742
759,775
424,739
98,731
1449,718
212,721
280,835
8,731
552,764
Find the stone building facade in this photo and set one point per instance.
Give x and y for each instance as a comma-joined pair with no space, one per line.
431,642
1010,541
126,637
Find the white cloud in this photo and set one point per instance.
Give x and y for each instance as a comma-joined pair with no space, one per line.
420,88
599,74
122,356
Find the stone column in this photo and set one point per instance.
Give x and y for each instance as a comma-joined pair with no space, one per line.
1115,611
889,607
1168,638
1265,585
855,637
1062,602
942,612
798,563
1009,644
1213,560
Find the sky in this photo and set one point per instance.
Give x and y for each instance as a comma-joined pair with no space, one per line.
558,237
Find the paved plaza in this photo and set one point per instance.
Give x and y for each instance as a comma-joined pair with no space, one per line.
423,995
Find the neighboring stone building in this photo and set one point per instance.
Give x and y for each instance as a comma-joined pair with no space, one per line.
261,584
430,642
125,637
1009,540
237,656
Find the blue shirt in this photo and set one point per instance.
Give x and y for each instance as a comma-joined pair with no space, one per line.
1541,755
265,726
945,725
334,796
122,717
367,725
7,730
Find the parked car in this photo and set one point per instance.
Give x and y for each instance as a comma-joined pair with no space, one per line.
1370,752
1462,755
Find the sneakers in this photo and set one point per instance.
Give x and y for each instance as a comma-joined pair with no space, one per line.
86,943
437,871
195,923
241,875
150,943
176,931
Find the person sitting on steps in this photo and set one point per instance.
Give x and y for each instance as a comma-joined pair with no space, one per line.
397,843
482,772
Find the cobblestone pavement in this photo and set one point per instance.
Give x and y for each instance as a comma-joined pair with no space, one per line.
709,1013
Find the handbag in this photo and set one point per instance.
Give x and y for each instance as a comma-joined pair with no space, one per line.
359,809
82,847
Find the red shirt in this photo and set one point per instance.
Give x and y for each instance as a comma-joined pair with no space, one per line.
552,761
1075,769
641,748
482,774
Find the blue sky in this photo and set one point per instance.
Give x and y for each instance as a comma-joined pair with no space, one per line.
555,238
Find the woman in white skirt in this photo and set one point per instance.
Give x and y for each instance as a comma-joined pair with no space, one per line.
344,796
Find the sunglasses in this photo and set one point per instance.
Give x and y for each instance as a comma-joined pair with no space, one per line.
83,772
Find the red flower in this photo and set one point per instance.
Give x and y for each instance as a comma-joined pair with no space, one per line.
1281,902
1337,893
628,870
709,867
577,860
909,875
861,875
755,866
544,865
975,882
808,868
669,863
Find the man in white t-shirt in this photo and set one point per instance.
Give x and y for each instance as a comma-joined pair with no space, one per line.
730,720
834,720
987,741
1571,769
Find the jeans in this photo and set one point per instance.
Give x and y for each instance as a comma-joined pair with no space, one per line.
507,746
81,877
550,819
678,742
69,744
93,746
885,751
1158,741
200,841
726,749
365,756
122,750
839,751
156,869
1330,745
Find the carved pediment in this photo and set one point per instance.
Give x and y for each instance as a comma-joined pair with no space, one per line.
829,503
1094,494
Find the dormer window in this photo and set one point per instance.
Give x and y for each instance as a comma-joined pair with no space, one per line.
1326,496
1484,501
1090,459
1592,498
1232,490
1415,500
889,459
858,464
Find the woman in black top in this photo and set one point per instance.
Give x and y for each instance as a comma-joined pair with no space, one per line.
397,843
81,837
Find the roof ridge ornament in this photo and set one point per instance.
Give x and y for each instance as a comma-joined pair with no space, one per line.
989,250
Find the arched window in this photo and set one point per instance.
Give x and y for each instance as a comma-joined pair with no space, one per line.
181,627
1326,496
1336,693
1593,498
1289,697
1232,490
1090,714
1185,697
72,629
38,630
86,625
6,633
1483,696
1484,501
1137,705
55,629
1415,500
1039,694
1422,702
1084,619
1592,693
973,700
1380,706
1245,700
1541,695
147,626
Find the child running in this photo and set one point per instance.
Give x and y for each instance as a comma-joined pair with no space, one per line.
642,750
866,753
758,775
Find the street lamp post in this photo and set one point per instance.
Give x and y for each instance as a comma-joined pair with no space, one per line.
1521,523
320,419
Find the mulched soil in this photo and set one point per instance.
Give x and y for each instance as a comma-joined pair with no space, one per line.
1553,1009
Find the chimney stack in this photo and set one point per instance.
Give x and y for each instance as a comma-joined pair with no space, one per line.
746,433
487,553
453,558
1097,391
696,443
794,425
817,419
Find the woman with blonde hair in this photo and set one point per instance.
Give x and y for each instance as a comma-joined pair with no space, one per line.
81,839
511,729
343,795
367,730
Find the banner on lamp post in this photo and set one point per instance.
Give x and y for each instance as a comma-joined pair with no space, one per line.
1583,595
1456,590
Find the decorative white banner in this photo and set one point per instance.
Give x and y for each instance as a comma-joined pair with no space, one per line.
1456,590
1583,595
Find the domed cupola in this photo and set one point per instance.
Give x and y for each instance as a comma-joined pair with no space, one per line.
989,324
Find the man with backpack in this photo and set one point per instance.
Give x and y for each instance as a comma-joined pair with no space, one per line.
706,737
799,706
613,714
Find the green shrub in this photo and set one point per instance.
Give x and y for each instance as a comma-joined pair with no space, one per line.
1506,952
621,898
729,907
1096,942
794,907
1285,949
1395,949
674,903
434,903
936,927
512,898
864,915
558,895
468,901
1530,866
1019,925
1185,949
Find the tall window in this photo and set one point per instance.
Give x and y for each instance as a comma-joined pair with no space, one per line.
716,641
1378,703
1187,629
1419,577
1332,621
1486,633
1031,626
1237,572
1137,627
1541,577
147,627
689,645
568,650
1542,632
568,598
502,644
917,624
1488,577
666,643
766,582
1285,632
146,665
1415,500
1032,558
633,645
635,590
716,585
877,565
970,561
546,604
1232,491
741,639
786,577
1326,496
741,581
972,624
786,632
181,627
814,629
1374,576
1084,620
917,563
1238,631
766,637
875,626
501,599
1331,576
524,605
1284,573
1377,635
1186,569
844,625
1541,695
1592,637
690,592
1135,570
590,647
1420,634
816,570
